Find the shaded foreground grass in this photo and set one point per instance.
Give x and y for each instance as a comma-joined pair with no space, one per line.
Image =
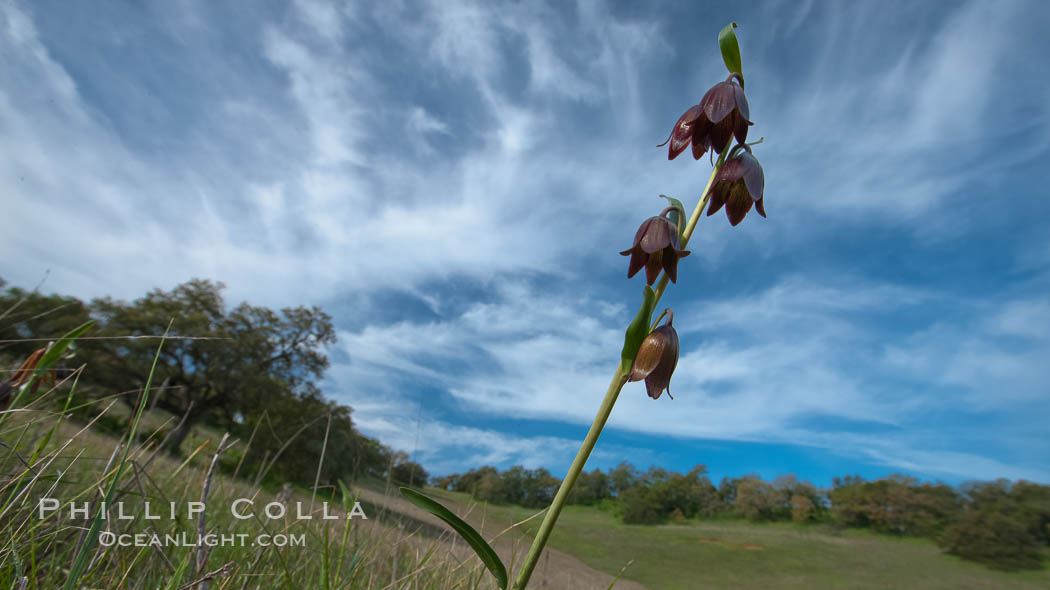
69,462
737,554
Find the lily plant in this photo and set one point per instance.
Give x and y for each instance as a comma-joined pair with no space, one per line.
650,351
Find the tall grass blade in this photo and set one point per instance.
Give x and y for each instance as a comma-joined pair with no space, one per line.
81,559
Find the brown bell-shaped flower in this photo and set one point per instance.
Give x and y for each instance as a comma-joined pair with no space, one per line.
739,185
657,359
656,245
722,114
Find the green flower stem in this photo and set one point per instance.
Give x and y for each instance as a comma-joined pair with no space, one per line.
695,217
618,381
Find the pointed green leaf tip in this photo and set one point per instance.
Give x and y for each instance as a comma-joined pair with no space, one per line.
53,353
730,50
638,330
678,212
471,536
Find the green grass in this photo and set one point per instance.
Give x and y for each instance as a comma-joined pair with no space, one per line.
735,554
389,550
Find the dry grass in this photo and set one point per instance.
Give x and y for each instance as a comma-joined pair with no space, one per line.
74,463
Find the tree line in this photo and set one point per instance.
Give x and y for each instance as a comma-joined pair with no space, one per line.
1002,524
246,369
256,373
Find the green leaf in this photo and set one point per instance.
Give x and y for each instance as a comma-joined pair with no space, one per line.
730,50
60,347
678,212
471,536
638,330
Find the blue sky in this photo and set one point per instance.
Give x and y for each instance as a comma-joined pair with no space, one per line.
453,183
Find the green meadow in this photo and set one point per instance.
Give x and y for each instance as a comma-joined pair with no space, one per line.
737,554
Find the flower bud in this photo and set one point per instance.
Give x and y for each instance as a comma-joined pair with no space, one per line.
657,359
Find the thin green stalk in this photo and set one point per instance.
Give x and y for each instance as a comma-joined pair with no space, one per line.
618,381
695,217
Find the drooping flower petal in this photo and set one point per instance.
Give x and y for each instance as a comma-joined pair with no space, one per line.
638,258
652,267
731,171
739,203
740,131
656,234
741,104
682,132
719,195
701,140
752,174
719,102
671,257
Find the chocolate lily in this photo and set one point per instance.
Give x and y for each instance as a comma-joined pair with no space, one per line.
739,185
722,114
656,245
657,359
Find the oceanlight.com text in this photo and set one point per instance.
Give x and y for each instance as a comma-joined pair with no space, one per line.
108,539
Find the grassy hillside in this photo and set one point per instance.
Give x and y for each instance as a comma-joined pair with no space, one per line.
736,554
398,546
69,462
